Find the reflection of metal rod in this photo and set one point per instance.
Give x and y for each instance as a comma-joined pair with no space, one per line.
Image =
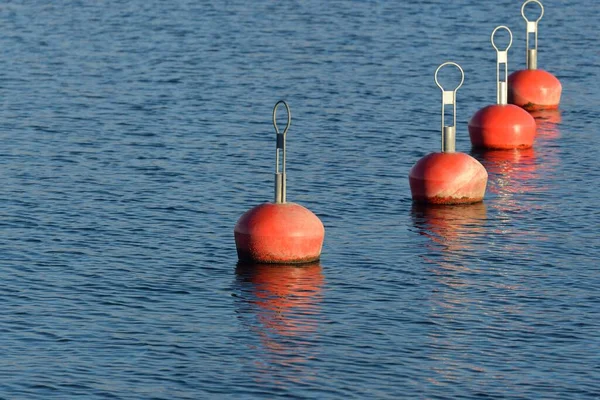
280,192
449,97
532,27
502,58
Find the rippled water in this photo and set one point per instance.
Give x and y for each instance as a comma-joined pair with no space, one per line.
134,134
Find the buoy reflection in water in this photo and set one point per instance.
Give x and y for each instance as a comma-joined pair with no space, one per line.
449,226
511,171
455,309
547,123
280,304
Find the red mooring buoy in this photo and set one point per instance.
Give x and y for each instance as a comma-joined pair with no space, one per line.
502,125
279,232
448,177
532,88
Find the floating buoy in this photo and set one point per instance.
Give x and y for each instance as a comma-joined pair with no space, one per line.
448,177
502,125
279,232
532,88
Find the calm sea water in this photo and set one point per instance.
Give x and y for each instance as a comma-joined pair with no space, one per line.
134,134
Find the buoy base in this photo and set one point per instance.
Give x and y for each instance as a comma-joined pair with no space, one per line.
502,127
249,256
534,89
448,178
284,233
450,200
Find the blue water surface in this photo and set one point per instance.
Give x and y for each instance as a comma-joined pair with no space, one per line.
134,134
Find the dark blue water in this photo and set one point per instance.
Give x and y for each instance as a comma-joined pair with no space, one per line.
134,134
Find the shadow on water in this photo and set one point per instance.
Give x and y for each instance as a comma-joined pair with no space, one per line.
280,305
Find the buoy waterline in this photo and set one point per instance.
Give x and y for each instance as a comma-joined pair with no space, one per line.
533,88
448,177
502,125
279,232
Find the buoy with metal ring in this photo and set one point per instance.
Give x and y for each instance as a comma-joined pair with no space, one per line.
533,88
502,126
448,177
279,232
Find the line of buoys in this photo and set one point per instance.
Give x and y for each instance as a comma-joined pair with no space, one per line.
502,125
533,88
448,177
287,233
279,232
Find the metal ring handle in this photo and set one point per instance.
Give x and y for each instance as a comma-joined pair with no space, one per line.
494,33
289,116
532,1
461,72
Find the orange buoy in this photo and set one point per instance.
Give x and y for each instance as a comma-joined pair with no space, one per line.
279,232
502,125
448,177
533,89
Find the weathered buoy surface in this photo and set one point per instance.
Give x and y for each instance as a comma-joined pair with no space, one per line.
448,177
279,232
533,88
502,125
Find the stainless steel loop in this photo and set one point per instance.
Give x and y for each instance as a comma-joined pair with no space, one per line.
457,66
532,1
289,116
494,33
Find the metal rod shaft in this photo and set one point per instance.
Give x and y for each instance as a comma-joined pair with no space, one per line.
449,139
449,98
